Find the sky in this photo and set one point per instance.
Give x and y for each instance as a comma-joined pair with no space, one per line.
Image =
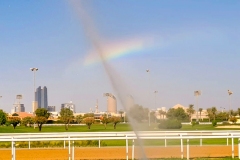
186,46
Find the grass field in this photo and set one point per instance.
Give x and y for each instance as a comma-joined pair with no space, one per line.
82,128
122,127
100,128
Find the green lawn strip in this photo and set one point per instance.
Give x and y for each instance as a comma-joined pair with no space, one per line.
204,127
121,127
83,128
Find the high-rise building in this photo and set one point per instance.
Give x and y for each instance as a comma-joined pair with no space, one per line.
51,108
41,97
17,107
69,105
111,103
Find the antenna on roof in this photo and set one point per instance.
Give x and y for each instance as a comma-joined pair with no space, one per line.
96,107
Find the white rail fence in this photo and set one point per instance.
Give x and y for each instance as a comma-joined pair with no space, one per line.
151,135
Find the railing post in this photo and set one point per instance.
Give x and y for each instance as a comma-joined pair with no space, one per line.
29,144
181,147
227,138
232,147
238,148
187,149
12,150
165,141
133,149
201,140
64,144
99,143
73,150
69,148
126,148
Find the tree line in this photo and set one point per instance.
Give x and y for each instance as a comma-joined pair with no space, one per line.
140,114
66,117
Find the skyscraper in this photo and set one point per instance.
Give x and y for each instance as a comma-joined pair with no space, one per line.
111,103
44,99
41,97
17,107
69,105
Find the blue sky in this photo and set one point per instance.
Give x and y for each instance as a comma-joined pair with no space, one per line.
187,45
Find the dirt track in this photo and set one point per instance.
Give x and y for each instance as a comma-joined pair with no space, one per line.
117,153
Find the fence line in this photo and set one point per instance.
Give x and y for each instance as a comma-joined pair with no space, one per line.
154,135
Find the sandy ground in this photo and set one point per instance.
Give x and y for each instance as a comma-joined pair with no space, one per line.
118,153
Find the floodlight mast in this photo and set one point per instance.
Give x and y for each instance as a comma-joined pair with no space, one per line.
222,109
148,71
230,93
155,92
197,93
34,72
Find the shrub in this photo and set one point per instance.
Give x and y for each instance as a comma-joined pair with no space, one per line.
7,123
58,122
15,114
49,122
205,120
219,120
225,123
194,123
194,120
214,122
170,124
233,119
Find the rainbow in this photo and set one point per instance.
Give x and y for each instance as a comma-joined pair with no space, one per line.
116,50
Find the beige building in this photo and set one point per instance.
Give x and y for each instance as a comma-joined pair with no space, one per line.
34,106
203,114
180,106
111,103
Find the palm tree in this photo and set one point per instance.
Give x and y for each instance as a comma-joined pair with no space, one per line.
190,111
239,111
121,113
200,111
214,110
161,113
164,114
210,114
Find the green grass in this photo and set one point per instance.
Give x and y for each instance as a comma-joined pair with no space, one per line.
124,127
100,128
203,127
94,128
120,127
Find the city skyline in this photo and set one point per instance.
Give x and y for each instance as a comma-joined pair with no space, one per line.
187,46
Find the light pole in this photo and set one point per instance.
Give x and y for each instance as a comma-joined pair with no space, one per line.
230,93
155,92
148,71
197,93
35,105
222,109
